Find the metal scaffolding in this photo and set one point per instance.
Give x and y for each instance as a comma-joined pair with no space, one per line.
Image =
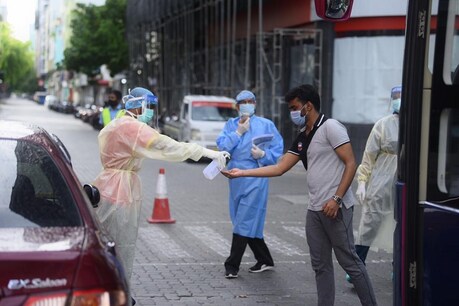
218,47
286,58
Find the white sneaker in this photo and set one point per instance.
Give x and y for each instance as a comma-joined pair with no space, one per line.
230,275
260,268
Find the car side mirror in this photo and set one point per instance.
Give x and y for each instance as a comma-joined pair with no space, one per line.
334,10
93,194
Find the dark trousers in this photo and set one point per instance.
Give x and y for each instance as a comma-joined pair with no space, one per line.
326,236
258,246
362,251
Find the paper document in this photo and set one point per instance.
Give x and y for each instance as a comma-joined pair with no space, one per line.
262,140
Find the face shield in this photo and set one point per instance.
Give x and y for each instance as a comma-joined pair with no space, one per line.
131,102
148,104
149,110
396,99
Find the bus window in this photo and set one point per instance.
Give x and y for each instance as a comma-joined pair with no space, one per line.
448,153
451,57
433,31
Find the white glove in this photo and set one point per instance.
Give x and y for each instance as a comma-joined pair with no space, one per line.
219,156
243,127
257,152
360,193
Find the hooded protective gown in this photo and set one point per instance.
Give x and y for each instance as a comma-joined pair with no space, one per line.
378,169
123,144
249,195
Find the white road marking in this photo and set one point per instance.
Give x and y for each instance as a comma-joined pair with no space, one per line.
211,239
277,262
297,230
277,244
160,241
213,263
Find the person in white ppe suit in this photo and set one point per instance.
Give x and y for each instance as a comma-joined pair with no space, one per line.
248,196
376,177
124,143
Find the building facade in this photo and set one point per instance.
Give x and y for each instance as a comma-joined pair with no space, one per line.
52,35
269,46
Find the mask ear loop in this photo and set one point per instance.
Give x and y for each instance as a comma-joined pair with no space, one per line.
132,114
144,105
301,109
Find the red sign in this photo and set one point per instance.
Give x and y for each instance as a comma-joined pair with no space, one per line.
214,104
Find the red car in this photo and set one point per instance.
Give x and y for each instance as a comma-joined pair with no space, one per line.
52,249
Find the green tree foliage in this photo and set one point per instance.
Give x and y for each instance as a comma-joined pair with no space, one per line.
98,37
16,61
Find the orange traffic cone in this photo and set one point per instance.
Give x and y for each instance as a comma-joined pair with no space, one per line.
161,212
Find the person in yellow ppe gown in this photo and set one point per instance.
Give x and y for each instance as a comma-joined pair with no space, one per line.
376,177
124,143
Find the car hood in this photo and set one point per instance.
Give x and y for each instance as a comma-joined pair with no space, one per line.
39,259
214,126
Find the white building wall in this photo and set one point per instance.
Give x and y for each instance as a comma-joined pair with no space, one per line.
53,31
3,10
364,71
365,68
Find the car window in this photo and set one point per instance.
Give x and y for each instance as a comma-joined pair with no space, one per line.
213,111
34,192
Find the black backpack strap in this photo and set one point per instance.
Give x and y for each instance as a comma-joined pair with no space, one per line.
308,140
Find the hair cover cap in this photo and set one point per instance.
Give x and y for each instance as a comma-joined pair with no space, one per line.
245,95
396,90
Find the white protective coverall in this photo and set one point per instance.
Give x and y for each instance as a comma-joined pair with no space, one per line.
378,169
123,144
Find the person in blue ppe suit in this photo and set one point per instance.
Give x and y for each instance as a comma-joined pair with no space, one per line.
248,196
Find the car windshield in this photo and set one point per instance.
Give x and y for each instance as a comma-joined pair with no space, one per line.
34,192
213,111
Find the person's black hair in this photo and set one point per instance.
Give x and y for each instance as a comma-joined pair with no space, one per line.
304,93
117,94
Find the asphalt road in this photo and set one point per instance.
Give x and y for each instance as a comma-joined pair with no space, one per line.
182,263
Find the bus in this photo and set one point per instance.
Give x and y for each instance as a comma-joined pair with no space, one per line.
426,239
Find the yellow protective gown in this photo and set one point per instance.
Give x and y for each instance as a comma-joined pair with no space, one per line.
378,169
123,144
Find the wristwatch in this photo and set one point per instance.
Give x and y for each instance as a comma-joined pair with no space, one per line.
338,200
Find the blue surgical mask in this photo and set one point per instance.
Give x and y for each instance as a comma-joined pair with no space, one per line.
395,104
146,116
246,109
296,117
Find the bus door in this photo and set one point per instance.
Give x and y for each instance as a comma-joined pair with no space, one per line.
440,210
427,235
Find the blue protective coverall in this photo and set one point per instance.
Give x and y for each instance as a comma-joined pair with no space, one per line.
248,196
